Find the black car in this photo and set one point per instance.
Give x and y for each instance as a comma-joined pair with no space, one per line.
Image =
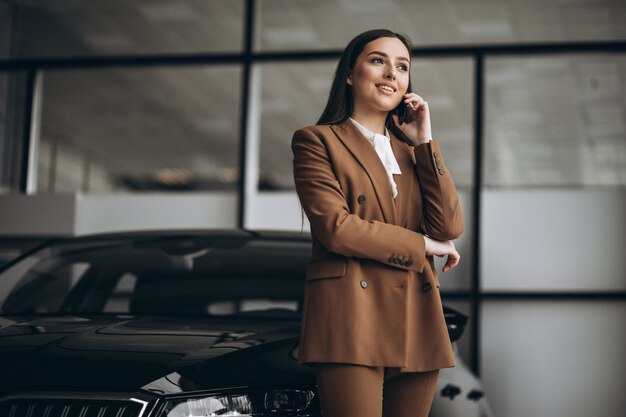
167,324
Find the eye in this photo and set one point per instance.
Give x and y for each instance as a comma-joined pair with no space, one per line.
377,59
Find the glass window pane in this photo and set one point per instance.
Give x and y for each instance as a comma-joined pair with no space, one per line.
120,27
5,172
447,84
328,24
555,121
554,358
139,129
6,25
12,106
293,95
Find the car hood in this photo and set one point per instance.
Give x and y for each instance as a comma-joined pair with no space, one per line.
162,355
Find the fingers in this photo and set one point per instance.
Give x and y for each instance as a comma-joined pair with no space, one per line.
453,260
414,101
441,249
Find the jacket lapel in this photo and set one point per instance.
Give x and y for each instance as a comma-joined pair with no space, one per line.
364,152
405,181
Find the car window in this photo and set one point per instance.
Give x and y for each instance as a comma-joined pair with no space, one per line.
119,299
52,285
199,276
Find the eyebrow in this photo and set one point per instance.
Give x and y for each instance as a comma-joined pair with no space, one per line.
385,55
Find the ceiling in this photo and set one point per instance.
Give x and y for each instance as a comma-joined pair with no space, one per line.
119,27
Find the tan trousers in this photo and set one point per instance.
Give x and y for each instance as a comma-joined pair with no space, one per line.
349,390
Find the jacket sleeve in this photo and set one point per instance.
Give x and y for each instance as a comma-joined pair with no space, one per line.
442,217
331,222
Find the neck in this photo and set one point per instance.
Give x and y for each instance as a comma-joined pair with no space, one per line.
373,120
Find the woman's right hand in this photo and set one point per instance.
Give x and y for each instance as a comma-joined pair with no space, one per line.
441,249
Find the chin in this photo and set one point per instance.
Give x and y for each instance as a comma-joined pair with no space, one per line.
389,108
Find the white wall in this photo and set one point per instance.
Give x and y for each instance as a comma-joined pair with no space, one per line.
546,358
553,240
554,358
44,214
275,210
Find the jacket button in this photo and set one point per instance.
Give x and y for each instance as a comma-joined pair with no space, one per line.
408,263
440,171
363,283
390,259
396,260
402,262
361,199
427,287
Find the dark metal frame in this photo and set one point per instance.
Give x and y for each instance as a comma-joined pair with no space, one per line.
248,57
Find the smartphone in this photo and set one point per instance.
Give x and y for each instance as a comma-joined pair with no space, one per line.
403,113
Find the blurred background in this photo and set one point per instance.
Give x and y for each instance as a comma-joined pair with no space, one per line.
128,115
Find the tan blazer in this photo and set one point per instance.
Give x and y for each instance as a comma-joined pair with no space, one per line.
371,294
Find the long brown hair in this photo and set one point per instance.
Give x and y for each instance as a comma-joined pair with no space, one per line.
340,100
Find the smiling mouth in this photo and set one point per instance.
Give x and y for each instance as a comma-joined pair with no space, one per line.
386,88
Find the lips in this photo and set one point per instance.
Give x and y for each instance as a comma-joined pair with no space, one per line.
390,88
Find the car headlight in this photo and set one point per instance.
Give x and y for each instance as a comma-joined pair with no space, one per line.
252,403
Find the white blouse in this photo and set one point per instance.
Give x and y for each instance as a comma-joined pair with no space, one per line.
382,145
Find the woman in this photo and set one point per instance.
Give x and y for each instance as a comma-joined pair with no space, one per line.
381,203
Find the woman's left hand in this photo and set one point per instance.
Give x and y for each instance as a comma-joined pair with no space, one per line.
418,130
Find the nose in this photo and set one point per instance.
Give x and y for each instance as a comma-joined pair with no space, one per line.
391,73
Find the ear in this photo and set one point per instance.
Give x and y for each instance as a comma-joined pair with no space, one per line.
349,80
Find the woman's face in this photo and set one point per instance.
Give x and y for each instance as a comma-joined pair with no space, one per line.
383,61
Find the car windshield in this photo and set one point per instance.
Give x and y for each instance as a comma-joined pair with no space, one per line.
221,276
